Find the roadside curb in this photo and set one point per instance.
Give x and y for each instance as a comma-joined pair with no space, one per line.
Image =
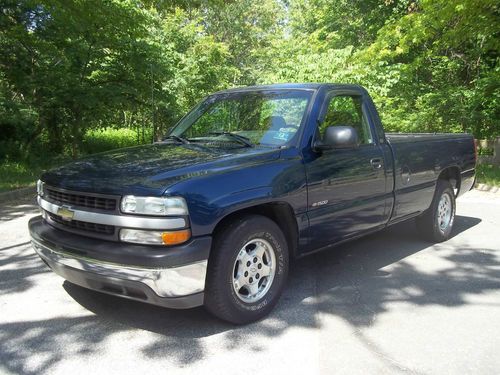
12,195
484,187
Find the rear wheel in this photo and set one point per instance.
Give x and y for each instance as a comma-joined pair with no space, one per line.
247,270
437,222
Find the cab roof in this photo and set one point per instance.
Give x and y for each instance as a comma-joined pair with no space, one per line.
291,86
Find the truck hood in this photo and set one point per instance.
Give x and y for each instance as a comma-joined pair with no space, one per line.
151,169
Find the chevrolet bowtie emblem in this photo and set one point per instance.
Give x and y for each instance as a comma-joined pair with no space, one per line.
65,213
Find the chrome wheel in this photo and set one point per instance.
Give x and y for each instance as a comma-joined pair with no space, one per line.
254,270
445,212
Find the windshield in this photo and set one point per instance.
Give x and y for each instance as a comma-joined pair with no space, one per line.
268,118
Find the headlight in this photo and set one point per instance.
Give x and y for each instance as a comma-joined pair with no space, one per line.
159,206
153,237
39,187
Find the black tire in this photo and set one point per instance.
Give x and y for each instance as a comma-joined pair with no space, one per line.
430,224
221,299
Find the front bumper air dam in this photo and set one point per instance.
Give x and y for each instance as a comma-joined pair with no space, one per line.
175,287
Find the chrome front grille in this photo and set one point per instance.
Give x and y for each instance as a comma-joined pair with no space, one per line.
95,215
80,199
83,225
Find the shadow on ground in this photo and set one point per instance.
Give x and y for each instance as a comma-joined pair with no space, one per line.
352,281
18,262
18,208
18,279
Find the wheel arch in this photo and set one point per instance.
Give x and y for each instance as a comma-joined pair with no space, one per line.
452,174
280,212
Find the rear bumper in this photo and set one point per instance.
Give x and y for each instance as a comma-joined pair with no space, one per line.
178,285
468,180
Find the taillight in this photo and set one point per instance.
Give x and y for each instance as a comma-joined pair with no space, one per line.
475,150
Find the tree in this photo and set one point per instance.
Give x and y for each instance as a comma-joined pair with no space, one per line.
446,57
74,60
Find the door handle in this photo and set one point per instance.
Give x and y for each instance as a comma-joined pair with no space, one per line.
376,163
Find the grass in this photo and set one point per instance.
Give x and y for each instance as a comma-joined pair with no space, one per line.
18,174
15,175
488,174
108,139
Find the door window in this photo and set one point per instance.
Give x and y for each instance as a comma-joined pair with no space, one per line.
346,110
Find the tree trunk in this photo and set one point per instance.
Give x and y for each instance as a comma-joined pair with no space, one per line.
54,132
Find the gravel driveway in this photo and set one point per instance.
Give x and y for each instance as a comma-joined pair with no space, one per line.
389,303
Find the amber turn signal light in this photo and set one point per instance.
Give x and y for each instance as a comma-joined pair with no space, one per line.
177,237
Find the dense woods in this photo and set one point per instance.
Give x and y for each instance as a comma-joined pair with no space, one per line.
69,68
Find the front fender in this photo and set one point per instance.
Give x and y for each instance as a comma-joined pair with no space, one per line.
212,197
238,201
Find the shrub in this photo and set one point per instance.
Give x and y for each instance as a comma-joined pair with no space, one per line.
100,140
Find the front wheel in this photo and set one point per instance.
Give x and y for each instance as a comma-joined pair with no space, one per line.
247,270
437,222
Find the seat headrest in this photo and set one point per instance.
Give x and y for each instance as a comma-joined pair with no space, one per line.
276,122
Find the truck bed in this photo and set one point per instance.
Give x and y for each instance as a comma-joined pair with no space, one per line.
419,159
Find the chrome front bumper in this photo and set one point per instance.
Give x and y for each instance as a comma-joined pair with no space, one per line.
177,287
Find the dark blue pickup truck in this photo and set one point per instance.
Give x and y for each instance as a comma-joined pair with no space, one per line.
247,180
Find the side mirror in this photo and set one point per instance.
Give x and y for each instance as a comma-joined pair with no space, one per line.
338,137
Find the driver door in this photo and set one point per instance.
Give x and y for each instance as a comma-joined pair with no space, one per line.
346,187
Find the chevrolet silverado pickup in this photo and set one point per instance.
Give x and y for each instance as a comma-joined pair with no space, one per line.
249,179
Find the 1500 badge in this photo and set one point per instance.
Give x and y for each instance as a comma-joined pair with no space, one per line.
320,203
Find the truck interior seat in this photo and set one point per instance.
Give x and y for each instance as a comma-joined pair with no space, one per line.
275,123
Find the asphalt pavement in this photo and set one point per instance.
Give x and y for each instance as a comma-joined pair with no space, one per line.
386,304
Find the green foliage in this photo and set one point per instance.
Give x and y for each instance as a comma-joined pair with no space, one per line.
488,174
99,140
446,56
67,67
340,23
14,175
17,174
482,151
248,28
431,66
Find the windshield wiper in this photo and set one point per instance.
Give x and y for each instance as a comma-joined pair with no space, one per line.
177,138
244,140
